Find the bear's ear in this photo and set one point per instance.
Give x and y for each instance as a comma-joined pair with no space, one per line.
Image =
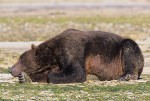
33,47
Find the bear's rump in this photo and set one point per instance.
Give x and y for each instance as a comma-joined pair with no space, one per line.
104,71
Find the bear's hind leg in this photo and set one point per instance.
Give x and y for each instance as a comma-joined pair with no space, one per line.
130,72
132,60
71,74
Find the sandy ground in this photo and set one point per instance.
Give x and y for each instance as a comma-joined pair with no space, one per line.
72,7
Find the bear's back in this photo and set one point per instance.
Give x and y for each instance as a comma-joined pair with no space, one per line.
77,35
92,42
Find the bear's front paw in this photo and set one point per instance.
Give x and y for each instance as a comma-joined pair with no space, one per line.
24,78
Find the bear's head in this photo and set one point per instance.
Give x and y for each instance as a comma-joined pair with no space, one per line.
35,63
27,63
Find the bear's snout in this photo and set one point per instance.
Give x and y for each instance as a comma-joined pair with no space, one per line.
14,71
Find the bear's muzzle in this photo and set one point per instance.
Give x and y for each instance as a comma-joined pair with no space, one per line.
14,71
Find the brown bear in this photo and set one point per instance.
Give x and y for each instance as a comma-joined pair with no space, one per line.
76,53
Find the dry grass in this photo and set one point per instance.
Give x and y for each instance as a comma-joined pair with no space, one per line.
74,92
39,28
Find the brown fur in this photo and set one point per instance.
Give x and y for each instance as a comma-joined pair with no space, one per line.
71,55
43,76
94,65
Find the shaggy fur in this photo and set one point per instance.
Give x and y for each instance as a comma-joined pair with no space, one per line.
77,53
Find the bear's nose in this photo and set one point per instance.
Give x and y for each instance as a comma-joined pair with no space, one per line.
14,71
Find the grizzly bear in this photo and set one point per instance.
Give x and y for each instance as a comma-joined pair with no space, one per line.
76,53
